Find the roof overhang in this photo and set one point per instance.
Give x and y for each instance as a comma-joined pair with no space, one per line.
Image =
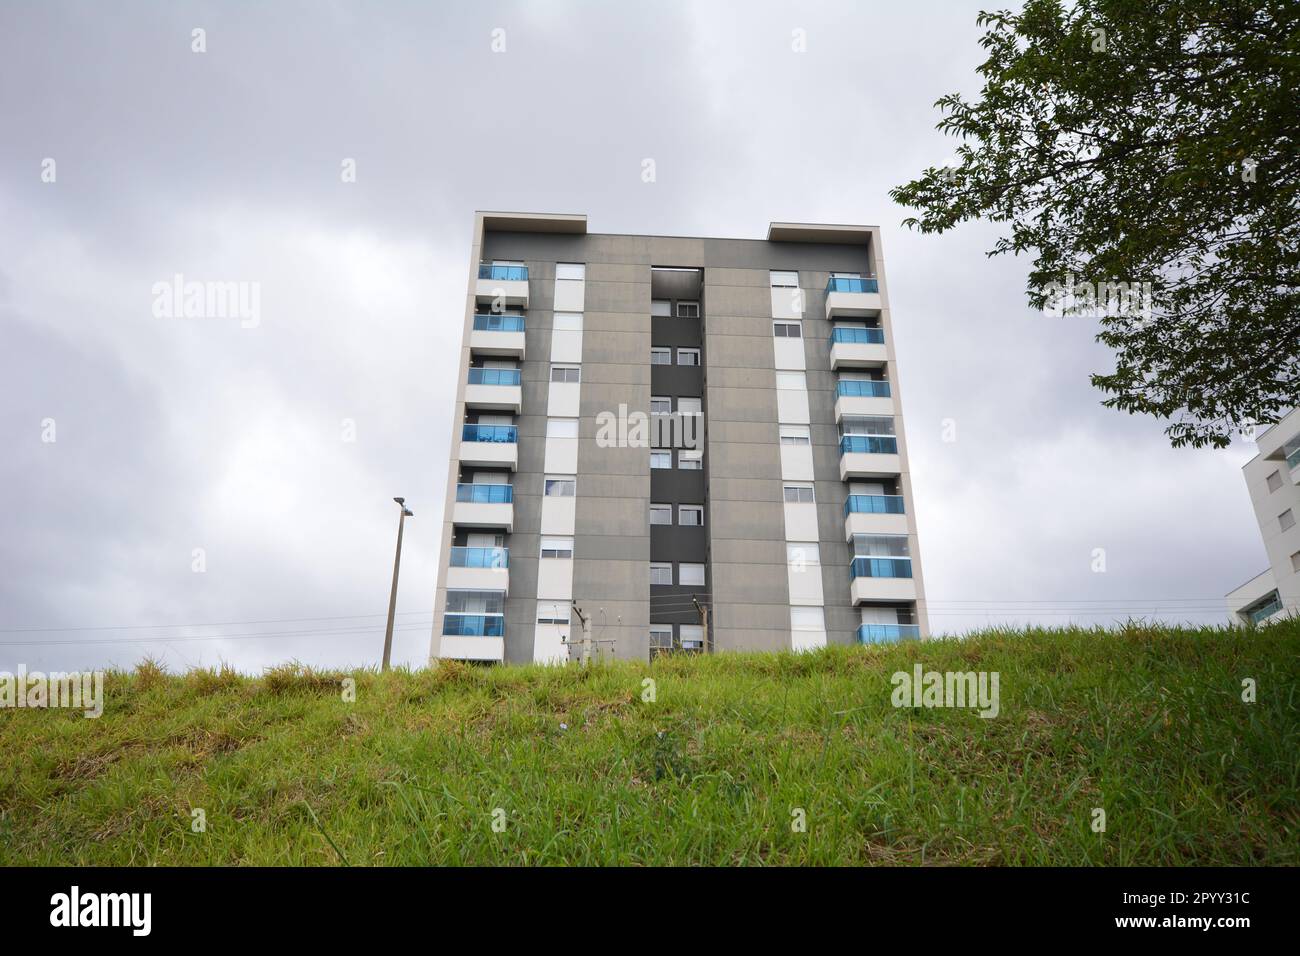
818,232
534,222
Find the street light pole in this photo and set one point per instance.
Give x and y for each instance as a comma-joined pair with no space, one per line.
392,598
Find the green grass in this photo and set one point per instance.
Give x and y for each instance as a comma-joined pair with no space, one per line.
1145,722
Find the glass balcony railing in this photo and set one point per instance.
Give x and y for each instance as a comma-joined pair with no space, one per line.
869,445
485,494
867,389
880,568
849,284
508,434
1267,611
498,323
474,625
494,376
874,505
1293,459
858,336
885,633
503,273
480,557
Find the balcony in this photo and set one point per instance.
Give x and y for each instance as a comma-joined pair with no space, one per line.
484,506
490,446
1265,611
1293,462
498,335
473,637
881,579
869,456
865,398
502,287
874,514
857,348
494,389
888,633
849,298
479,569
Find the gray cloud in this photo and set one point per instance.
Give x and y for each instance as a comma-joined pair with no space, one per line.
178,434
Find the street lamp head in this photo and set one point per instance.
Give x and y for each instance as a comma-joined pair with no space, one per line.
408,513
400,501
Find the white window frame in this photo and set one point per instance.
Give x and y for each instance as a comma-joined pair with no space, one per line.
569,374
783,279
693,455
664,510
661,308
662,567
796,435
682,566
657,452
695,510
685,307
691,353
658,352
571,271
781,329
560,548
804,493
661,399
568,485
691,401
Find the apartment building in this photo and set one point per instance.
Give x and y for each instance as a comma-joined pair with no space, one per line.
1273,480
695,443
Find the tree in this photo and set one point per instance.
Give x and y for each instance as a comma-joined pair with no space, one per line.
1146,141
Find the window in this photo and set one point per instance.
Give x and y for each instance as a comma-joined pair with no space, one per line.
661,574
1286,519
867,425
660,405
557,547
795,435
553,614
1274,482
561,486
1295,561
803,494
661,307
661,637
565,373
561,428
787,330
661,459
690,406
476,602
807,619
880,545
661,356
688,356
692,636
846,275
784,280
690,460
661,514
791,380
570,270
688,310
568,321
690,516
690,574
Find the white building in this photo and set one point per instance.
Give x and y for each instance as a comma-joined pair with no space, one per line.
1273,479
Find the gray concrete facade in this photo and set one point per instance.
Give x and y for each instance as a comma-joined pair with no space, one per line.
744,541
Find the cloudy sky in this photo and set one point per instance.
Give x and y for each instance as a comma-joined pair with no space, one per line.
173,434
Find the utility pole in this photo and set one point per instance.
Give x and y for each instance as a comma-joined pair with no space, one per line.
586,634
392,598
704,621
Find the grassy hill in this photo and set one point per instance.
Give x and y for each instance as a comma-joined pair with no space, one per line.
1147,723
